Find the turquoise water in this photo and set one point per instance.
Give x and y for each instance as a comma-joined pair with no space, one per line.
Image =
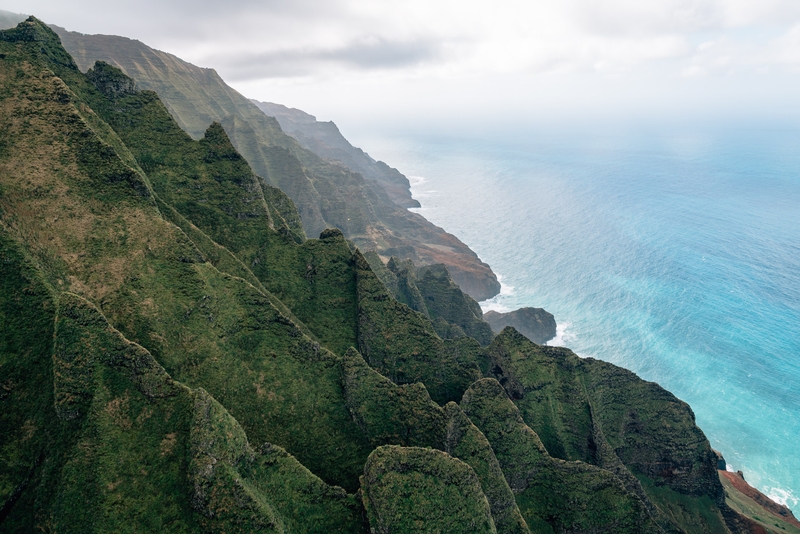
675,255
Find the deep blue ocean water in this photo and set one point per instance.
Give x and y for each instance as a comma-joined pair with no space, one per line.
674,253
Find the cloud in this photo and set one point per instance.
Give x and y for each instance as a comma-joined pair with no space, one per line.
299,38
363,54
440,54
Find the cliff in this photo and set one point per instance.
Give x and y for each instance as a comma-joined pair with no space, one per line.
327,193
176,357
536,324
325,140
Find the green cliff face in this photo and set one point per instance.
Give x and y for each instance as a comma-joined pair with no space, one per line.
176,356
431,291
412,489
553,495
326,193
587,410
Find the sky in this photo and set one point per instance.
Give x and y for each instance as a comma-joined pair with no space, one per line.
459,62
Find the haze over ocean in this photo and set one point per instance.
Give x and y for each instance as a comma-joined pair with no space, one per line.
674,254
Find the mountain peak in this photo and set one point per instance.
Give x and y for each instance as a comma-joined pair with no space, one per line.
110,80
28,31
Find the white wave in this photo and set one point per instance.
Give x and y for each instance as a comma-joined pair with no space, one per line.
416,180
562,336
496,303
782,496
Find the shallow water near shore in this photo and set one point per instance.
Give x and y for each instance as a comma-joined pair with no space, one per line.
674,254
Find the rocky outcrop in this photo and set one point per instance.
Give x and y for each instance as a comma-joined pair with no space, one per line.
536,324
747,500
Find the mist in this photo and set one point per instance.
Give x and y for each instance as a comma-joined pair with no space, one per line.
463,67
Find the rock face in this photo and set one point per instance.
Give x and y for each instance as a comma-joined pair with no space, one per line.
325,139
175,356
363,198
536,324
747,500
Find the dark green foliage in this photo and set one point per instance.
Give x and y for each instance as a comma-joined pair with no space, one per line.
405,287
467,443
431,291
237,489
207,329
445,300
212,187
390,414
645,424
412,490
548,392
26,393
553,495
405,415
584,409
401,344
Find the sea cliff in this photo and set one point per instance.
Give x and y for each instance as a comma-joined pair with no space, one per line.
177,355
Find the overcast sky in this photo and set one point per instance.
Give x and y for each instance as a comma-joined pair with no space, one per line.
454,60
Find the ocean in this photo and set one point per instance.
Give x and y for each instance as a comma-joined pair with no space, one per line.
673,252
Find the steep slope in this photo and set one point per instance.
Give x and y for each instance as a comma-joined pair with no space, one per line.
593,411
118,446
553,495
431,291
410,489
327,194
159,313
92,223
325,140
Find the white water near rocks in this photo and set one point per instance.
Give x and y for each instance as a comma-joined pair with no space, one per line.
673,254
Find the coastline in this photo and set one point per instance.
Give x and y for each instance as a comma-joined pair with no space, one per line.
428,192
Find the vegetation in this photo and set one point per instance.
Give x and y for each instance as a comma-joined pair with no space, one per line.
413,489
358,200
176,356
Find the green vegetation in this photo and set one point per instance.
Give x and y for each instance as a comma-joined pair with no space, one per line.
553,495
176,356
409,490
466,442
326,193
431,291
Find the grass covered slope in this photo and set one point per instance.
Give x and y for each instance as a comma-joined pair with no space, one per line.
327,194
407,490
553,495
92,224
121,447
174,356
593,411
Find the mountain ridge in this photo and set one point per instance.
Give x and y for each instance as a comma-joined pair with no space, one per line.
179,298
326,193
